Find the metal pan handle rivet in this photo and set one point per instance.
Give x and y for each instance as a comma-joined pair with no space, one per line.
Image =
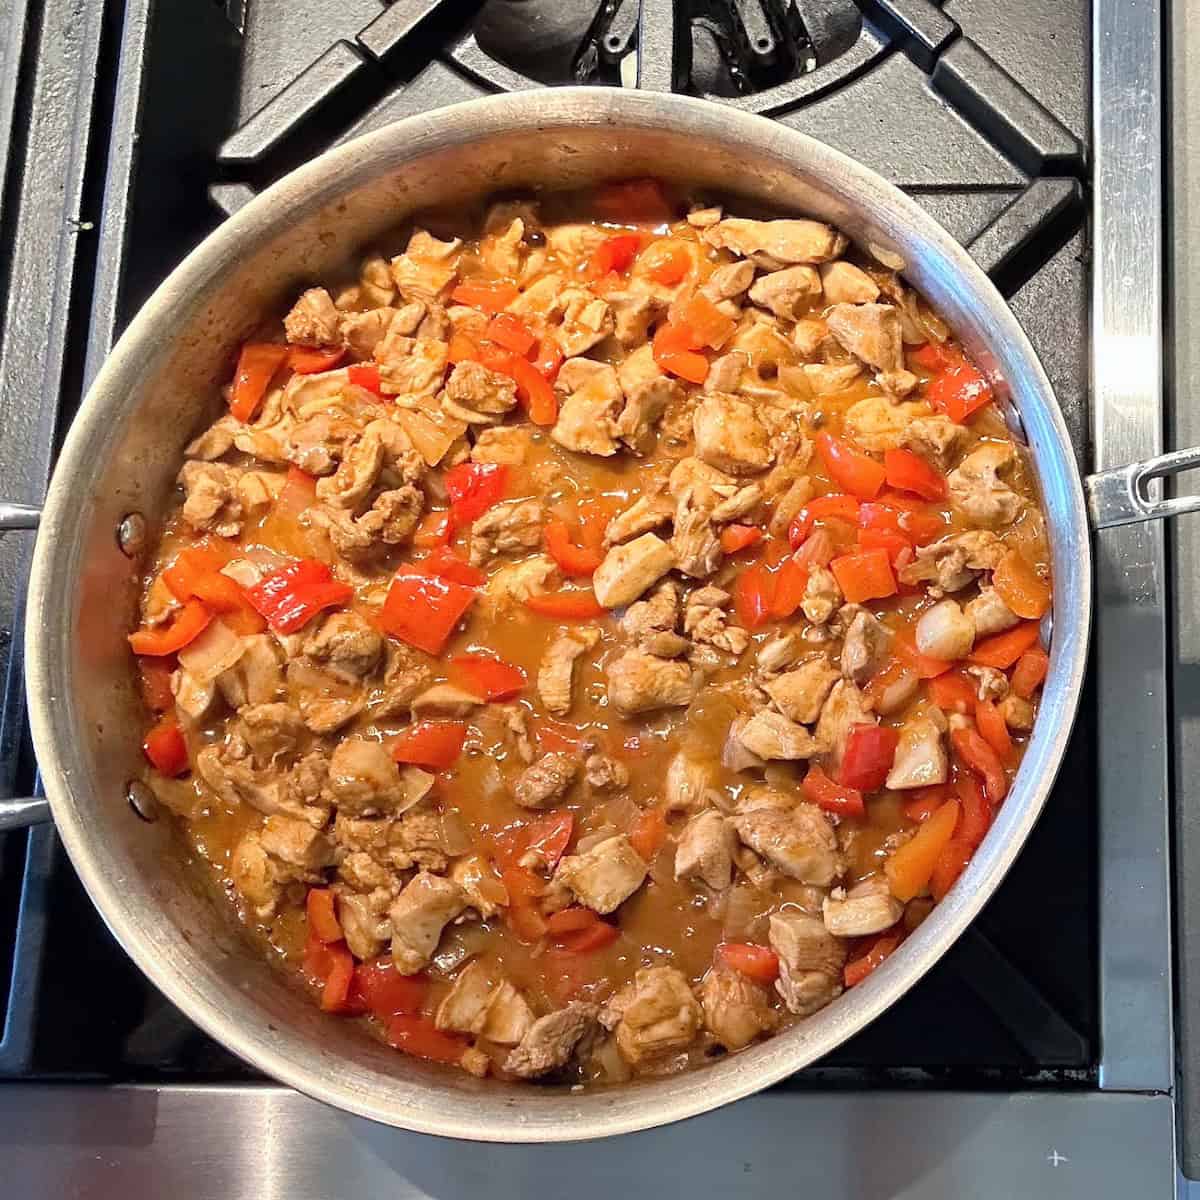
142,800
131,534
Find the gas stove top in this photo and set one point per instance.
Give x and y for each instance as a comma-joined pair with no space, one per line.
1041,1044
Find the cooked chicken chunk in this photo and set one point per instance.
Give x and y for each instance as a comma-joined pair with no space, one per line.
212,504
648,392
770,735
314,321
655,1014
945,631
865,647
546,781
557,671
365,781
586,320
644,514
920,756
640,682
418,915
822,596
977,489
989,613
938,440
346,645
296,843
871,332
706,621
845,708
507,445
261,880
777,242
428,267
604,876
587,418
604,773
955,561
516,582
477,395
787,293
810,961
728,282
483,1005
844,283
878,424
736,1009
631,569
705,850
689,783
868,907
729,436
800,693
551,1040
507,528
800,842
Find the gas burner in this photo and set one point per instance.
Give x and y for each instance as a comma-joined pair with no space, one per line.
733,48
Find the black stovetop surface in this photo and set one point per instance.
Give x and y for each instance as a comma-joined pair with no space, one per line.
978,108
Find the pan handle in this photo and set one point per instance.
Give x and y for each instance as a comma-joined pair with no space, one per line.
23,812
1122,496
18,516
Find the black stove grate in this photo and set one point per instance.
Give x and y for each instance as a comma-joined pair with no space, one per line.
978,108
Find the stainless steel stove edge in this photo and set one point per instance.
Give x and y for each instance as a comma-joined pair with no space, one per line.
244,1143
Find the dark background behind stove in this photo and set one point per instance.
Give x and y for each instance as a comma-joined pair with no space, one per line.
977,109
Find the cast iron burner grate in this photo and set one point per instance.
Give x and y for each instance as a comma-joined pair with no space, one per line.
978,108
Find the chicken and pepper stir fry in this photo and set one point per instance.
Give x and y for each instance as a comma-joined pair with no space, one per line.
596,634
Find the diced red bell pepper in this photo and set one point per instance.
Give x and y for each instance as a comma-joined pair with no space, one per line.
958,390
649,832
674,351
735,538
614,254
534,391
576,560
706,322
857,969
753,594
667,263
322,916
976,816
895,545
759,963
1019,585
196,575
1030,671
923,802
836,506
549,358
983,760
365,375
339,976
994,729
490,678
444,563
491,295
548,836
864,576
580,930
423,609
633,201
790,584
1001,650
190,622
903,515
308,360
434,530
570,920
508,330
930,357
952,692
256,367
567,606
951,863
833,797
154,678
848,467
524,890
386,993
868,756
165,747
290,597
473,488
432,744
421,1038
911,473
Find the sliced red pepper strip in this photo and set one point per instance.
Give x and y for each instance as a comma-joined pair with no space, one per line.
567,606
190,622
911,473
1030,671
831,796
589,940
421,1038
508,330
983,760
864,576
423,609
290,597
322,917
491,295
667,263
534,391
445,563
614,254
490,678
859,968
674,352
851,469
735,538
753,595
308,360
1003,649
365,375
649,832
165,747
958,390
868,756
336,993
385,992
473,488
759,963
256,367
575,560
433,744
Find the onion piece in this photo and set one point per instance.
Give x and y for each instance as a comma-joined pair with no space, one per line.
456,834
216,650
594,838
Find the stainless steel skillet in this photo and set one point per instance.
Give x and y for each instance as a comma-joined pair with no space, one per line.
158,387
